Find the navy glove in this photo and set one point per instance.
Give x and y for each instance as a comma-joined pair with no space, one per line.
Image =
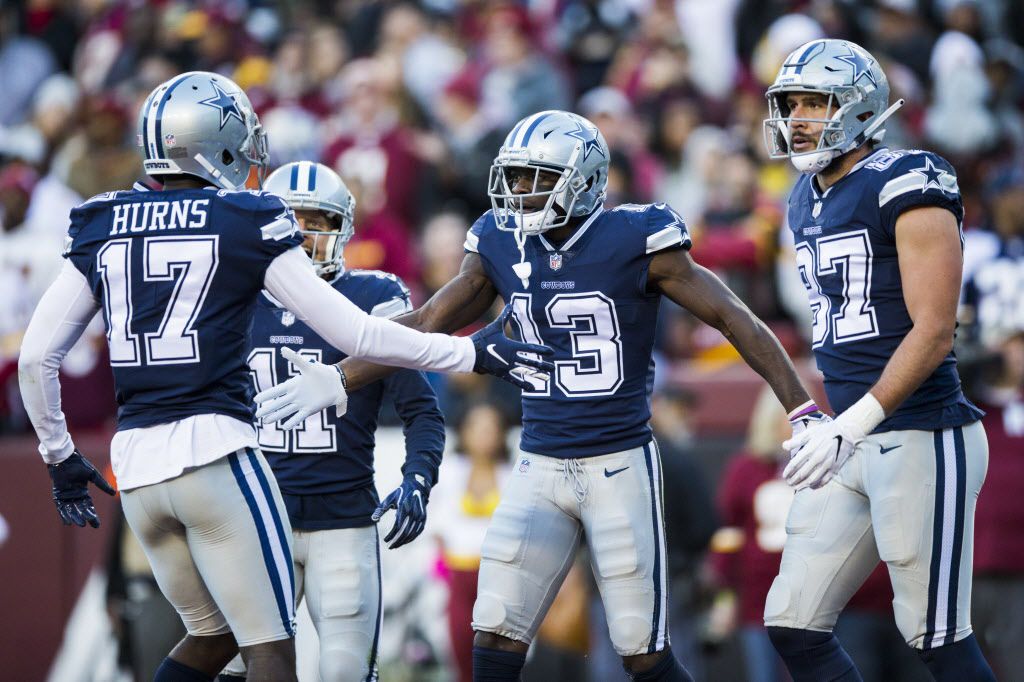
498,355
71,490
409,501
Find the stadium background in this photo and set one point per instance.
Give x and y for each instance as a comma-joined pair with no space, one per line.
409,102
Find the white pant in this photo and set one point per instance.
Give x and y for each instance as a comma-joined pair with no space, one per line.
338,572
219,542
547,504
907,497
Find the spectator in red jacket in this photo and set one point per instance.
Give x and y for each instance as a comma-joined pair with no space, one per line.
998,612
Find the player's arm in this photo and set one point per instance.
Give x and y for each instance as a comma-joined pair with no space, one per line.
58,322
349,328
423,424
457,304
674,274
931,262
342,324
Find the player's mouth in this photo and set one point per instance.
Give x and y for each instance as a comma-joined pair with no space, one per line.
803,143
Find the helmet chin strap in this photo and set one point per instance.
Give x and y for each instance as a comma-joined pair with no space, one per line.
522,269
813,162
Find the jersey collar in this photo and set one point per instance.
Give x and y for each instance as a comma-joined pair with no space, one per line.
576,235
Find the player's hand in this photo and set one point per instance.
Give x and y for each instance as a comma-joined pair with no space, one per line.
498,355
409,501
806,421
71,480
820,451
316,387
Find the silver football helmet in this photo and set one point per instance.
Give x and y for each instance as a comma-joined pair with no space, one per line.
559,142
856,88
202,124
305,185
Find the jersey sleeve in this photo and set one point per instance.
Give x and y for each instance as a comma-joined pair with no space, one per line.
472,243
261,228
665,229
394,298
916,180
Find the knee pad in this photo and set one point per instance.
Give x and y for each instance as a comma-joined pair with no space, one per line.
780,607
630,634
488,613
338,665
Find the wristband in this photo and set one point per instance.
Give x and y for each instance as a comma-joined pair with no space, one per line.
866,414
802,410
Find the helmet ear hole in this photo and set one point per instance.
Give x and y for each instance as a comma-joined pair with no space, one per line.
226,158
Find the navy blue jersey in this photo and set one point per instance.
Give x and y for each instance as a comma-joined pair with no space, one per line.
325,467
178,273
588,301
846,252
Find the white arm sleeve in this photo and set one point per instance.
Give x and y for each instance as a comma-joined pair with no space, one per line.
291,280
62,315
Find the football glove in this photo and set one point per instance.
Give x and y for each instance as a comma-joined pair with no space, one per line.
71,480
802,422
316,387
409,501
819,451
498,355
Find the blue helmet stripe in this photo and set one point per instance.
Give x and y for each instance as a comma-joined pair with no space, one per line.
159,141
533,126
512,135
804,56
293,183
312,177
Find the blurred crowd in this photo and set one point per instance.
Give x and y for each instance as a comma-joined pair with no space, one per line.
409,102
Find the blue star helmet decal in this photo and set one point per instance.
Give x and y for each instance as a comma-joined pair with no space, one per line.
932,176
588,136
860,64
225,103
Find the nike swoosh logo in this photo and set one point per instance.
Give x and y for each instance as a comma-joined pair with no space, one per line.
609,474
882,450
490,349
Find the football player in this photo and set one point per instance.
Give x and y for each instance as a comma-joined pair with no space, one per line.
897,473
177,273
588,281
325,467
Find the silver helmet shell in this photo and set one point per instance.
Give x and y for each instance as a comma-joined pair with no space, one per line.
305,185
555,141
201,124
857,90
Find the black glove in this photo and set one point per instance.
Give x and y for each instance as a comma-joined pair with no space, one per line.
409,501
71,490
498,355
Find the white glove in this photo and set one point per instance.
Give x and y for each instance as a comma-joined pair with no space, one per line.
820,449
316,387
806,416
819,452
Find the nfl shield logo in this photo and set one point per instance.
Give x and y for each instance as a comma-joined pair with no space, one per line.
287,318
555,261
524,465
816,211
169,140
